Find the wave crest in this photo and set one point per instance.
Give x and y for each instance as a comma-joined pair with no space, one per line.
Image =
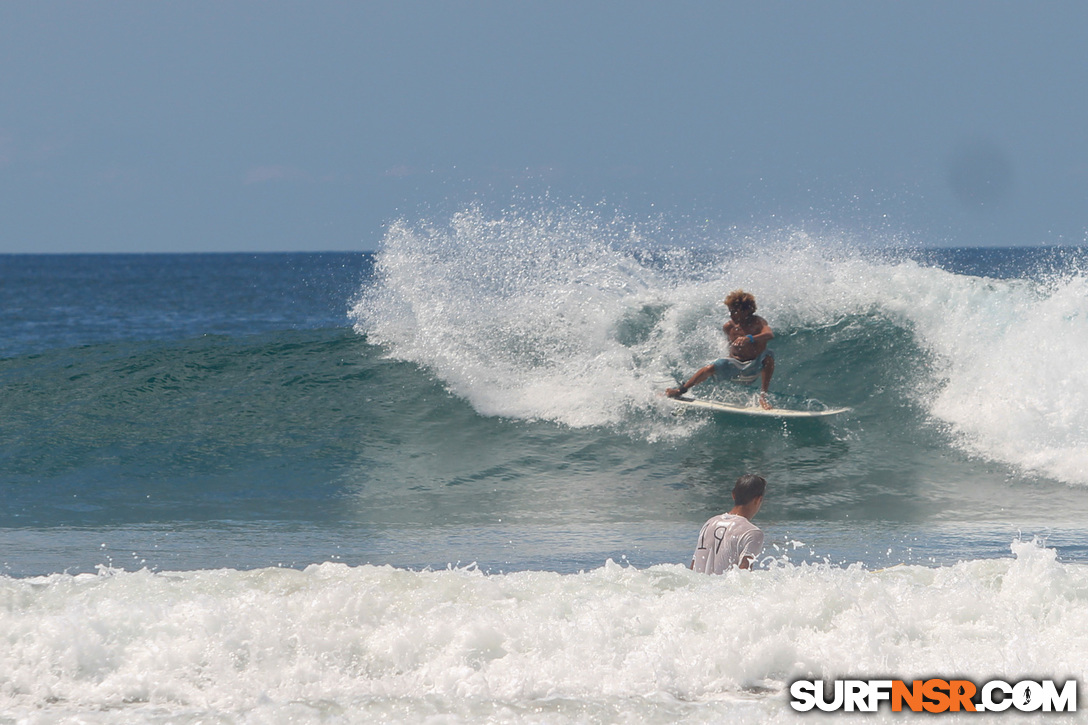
568,316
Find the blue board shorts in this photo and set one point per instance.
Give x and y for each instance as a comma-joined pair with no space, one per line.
737,371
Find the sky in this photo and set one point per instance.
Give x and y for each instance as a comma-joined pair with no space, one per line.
231,125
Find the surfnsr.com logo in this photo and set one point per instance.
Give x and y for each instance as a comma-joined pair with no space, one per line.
934,695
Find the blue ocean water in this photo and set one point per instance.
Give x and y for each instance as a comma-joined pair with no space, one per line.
439,481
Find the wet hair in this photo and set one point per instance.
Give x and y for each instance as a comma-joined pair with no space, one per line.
740,300
748,488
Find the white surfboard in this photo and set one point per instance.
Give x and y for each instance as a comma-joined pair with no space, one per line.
718,406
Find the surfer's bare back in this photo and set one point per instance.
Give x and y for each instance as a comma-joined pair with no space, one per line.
748,358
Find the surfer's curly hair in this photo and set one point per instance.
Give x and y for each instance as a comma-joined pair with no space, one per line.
740,300
748,488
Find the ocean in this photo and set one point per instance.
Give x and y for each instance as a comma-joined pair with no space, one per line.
438,483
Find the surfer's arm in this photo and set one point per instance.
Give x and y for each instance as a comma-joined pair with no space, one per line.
764,335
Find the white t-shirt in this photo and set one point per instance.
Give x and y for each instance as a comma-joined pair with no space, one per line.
724,541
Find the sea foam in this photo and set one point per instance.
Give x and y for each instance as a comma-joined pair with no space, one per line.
614,644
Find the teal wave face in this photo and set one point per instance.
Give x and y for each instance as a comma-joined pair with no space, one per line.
323,427
194,428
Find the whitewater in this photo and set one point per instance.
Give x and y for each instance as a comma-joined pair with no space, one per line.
616,644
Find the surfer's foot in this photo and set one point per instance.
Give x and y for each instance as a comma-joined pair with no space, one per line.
764,403
676,392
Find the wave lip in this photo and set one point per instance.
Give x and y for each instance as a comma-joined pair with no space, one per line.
517,314
1015,379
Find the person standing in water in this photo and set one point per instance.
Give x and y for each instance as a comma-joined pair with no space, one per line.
732,540
748,357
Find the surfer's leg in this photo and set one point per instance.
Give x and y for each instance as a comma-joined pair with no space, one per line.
768,371
700,375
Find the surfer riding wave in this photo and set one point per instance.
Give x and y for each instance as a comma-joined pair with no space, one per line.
748,358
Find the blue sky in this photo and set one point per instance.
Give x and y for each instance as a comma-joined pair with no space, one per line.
295,126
